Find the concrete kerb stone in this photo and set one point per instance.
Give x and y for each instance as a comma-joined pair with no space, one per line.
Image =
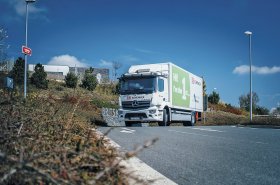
138,168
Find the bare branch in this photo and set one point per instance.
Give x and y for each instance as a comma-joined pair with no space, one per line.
6,176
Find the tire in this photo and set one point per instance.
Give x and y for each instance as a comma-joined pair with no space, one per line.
128,124
192,122
164,122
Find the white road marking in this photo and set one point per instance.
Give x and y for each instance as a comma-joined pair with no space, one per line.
188,133
207,129
254,142
126,130
259,142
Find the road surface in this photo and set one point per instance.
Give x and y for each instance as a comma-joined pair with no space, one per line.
207,155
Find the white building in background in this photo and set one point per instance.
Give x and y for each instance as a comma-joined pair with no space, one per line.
58,72
53,71
51,68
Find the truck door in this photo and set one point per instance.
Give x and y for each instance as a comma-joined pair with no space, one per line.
162,89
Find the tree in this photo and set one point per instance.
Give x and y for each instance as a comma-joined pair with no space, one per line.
89,81
244,101
39,77
214,98
116,88
261,111
276,111
3,46
17,72
204,87
116,65
71,80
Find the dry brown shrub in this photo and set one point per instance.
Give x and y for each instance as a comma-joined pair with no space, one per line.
44,141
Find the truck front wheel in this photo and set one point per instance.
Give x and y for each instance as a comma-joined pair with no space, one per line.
164,121
128,124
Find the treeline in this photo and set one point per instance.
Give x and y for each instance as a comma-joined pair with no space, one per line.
244,103
40,81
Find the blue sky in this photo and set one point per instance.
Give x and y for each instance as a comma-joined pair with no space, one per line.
204,37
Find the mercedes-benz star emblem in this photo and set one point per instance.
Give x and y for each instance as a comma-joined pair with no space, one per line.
135,103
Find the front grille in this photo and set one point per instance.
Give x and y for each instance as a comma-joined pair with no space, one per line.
135,104
135,115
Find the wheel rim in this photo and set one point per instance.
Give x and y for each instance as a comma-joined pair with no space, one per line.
193,119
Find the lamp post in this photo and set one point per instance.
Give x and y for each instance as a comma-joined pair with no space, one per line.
248,33
25,56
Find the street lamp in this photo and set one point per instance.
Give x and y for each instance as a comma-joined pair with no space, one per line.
25,56
250,58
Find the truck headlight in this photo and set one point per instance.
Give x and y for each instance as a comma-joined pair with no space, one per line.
153,111
120,112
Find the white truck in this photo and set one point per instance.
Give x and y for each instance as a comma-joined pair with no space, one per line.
162,93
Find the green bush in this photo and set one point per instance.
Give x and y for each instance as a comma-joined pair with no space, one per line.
71,80
59,88
17,72
39,77
89,81
214,98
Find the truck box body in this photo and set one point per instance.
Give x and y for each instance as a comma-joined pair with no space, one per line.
163,89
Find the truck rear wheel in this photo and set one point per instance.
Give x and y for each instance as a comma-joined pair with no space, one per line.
192,122
193,119
164,121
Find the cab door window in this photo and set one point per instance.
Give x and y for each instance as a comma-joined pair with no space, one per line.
160,85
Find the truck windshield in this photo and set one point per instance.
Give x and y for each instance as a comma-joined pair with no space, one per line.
138,85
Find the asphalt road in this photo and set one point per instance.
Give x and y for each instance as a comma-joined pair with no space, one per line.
207,155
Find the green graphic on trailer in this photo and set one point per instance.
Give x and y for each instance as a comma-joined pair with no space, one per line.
180,87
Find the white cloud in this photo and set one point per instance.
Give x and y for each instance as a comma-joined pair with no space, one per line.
121,59
105,63
244,69
67,60
20,7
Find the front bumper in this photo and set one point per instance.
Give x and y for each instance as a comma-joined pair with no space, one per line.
148,115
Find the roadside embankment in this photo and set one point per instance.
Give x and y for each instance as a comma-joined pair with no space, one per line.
49,140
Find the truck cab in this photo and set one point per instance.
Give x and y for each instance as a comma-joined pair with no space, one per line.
142,96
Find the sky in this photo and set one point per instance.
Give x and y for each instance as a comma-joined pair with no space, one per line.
204,37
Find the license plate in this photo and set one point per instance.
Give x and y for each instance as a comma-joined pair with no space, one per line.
134,118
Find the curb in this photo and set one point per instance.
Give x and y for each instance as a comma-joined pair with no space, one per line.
138,168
